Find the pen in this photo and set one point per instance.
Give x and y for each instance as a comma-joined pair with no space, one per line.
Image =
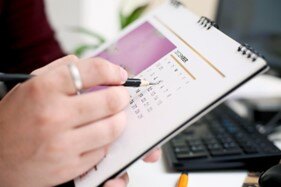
183,181
138,83
14,78
18,78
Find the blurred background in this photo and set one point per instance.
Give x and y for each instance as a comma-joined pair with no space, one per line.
102,17
82,25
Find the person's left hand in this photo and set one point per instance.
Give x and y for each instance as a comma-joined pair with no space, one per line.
124,180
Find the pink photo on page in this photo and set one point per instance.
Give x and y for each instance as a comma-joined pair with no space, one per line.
139,49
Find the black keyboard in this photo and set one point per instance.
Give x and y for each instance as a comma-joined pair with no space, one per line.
221,140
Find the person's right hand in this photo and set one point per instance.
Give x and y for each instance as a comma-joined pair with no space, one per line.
49,135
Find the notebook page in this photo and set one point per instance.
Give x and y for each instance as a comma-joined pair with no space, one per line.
194,66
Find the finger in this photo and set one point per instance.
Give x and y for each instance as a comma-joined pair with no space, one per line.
98,105
60,62
120,182
94,72
89,160
154,156
98,134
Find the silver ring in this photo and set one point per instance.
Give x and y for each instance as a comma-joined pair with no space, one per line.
76,77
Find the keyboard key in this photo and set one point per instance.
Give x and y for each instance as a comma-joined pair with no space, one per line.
227,140
181,143
190,155
229,145
210,140
197,148
194,142
250,149
214,146
181,149
225,152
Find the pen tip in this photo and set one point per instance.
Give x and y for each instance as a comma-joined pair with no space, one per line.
154,83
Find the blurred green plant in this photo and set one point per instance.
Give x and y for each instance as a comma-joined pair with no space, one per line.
99,40
125,20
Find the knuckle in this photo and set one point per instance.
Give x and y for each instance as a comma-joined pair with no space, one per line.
59,115
122,95
61,76
80,110
51,119
54,148
99,59
105,70
112,102
57,148
35,89
44,117
115,100
117,125
102,69
125,96
39,87
72,58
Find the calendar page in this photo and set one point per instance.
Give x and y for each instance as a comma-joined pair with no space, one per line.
196,67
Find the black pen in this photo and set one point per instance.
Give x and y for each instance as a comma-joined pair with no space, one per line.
138,83
19,78
14,78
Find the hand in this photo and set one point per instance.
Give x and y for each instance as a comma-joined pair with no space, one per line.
123,181
49,135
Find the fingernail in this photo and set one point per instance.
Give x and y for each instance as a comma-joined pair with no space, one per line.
124,75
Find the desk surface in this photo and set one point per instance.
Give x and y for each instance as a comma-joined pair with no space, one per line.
156,175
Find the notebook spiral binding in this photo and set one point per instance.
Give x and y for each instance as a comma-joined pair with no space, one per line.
249,52
175,3
207,23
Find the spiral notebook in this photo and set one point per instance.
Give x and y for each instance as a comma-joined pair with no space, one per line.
197,67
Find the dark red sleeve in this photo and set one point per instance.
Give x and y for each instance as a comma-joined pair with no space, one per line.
27,41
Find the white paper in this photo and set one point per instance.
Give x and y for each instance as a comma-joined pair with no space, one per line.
196,67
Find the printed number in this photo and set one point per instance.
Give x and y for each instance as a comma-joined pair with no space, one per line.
146,104
149,89
143,100
153,93
169,95
140,116
137,111
159,102
149,109
134,106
